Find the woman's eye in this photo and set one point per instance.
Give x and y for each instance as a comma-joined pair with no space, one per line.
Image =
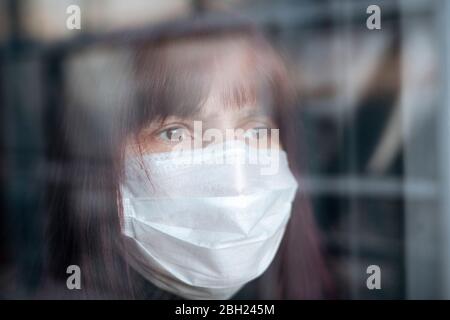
257,133
175,134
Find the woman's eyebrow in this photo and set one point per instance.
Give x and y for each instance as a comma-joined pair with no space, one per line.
211,117
251,112
255,112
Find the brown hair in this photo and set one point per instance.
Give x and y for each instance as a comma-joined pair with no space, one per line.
84,214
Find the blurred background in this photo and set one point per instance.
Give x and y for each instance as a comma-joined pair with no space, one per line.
375,105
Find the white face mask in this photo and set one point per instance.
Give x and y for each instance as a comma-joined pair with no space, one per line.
202,230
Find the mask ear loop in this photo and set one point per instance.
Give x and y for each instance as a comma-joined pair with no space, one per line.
151,186
119,195
142,163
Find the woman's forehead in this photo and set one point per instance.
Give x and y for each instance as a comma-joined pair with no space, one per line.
215,108
212,59
204,77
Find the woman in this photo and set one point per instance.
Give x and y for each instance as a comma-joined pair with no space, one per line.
141,224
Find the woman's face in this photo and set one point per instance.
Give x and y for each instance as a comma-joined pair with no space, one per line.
251,124
228,69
